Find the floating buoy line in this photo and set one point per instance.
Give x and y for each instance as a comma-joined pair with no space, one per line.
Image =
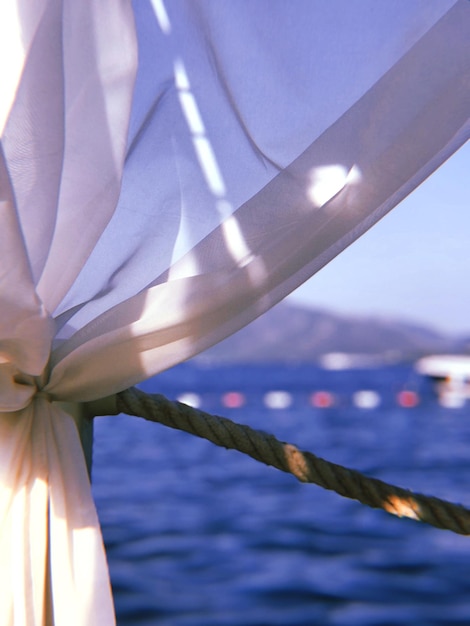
304,465
286,457
278,399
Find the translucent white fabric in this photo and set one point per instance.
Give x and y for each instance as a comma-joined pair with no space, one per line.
168,172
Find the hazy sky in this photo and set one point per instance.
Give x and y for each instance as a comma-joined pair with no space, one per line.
414,264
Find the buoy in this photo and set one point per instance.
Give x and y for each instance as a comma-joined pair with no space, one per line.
277,399
407,399
366,399
233,399
322,399
191,399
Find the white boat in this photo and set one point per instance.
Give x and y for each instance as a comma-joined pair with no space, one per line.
451,375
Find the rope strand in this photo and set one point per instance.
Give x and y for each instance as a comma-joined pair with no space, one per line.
303,465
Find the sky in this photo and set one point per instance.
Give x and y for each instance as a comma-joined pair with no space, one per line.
413,265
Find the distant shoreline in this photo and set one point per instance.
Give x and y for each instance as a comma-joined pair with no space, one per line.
298,334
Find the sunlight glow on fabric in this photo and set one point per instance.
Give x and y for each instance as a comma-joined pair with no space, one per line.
233,236
202,145
328,180
235,241
162,16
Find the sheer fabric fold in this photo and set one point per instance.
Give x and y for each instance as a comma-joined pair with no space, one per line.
168,172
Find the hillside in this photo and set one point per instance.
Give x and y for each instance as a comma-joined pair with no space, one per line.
288,333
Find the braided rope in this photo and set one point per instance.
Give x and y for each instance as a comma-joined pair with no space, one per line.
304,465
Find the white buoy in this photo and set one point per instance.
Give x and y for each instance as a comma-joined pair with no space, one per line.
191,399
450,400
277,399
366,399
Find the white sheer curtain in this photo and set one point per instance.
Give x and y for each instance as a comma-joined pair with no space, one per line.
169,171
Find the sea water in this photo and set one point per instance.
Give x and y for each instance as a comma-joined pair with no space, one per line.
201,536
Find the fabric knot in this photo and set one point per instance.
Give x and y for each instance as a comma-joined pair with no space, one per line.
40,393
17,389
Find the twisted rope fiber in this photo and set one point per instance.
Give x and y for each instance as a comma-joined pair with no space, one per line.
304,465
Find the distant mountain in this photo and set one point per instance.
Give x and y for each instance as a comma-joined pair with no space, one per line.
289,333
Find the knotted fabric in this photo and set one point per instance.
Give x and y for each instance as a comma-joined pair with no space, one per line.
52,562
168,172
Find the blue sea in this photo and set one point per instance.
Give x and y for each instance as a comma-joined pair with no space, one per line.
201,536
